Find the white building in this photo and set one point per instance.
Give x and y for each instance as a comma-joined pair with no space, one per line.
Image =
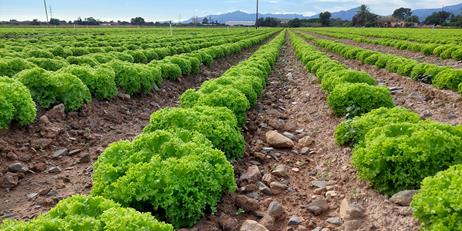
240,23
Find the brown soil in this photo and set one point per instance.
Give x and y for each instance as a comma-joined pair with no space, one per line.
391,50
428,101
85,135
294,103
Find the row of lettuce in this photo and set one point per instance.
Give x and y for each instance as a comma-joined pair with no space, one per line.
75,85
55,58
178,168
394,149
113,41
443,77
423,35
445,51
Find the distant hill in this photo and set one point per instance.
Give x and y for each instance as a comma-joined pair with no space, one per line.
423,13
344,14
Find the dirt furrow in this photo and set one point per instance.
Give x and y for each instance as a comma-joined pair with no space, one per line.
294,103
391,50
56,155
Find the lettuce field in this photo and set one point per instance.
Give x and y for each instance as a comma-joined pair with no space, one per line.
230,129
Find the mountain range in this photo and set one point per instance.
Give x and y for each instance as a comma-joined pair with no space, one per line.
344,14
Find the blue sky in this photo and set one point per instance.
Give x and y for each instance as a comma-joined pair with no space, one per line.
156,10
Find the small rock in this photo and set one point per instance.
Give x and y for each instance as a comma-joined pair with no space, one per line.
317,229
31,196
277,140
304,150
252,174
85,158
452,116
319,183
267,149
334,220
18,167
75,151
248,188
60,152
250,225
41,143
9,180
350,210
305,142
294,220
56,113
228,223
277,187
263,188
54,169
280,170
403,198
39,167
318,206
295,169
246,203
267,178
123,96
259,155
276,210
267,221
331,194
289,135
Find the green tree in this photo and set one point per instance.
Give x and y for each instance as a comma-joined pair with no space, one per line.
296,22
205,21
402,13
364,17
54,21
325,18
438,18
137,21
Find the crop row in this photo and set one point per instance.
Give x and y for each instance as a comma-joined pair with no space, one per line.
74,85
395,150
446,36
439,76
58,57
445,51
179,165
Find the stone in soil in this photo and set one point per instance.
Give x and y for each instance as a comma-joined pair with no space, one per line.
18,167
305,142
263,188
246,203
251,225
276,210
349,210
280,170
277,187
294,220
56,113
318,206
60,153
319,183
334,220
54,169
277,140
267,178
403,198
252,174
228,223
9,180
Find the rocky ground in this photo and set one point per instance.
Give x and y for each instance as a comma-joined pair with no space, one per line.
418,56
51,159
294,176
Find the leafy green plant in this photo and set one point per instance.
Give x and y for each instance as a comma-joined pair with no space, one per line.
71,91
353,130
49,64
219,125
176,172
354,99
346,76
10,67
399,156
437,206
20,98
42,86
448,79
89,213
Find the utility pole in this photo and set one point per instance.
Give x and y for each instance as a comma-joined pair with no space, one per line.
51,12
256,18
45,5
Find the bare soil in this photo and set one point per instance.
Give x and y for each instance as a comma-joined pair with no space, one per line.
82,136
294,103
391,50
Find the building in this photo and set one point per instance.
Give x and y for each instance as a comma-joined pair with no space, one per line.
240,23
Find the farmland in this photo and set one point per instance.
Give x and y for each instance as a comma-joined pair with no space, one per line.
221,128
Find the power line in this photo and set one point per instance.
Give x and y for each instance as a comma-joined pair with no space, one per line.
256,17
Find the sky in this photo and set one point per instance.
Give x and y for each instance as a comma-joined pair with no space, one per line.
157,10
